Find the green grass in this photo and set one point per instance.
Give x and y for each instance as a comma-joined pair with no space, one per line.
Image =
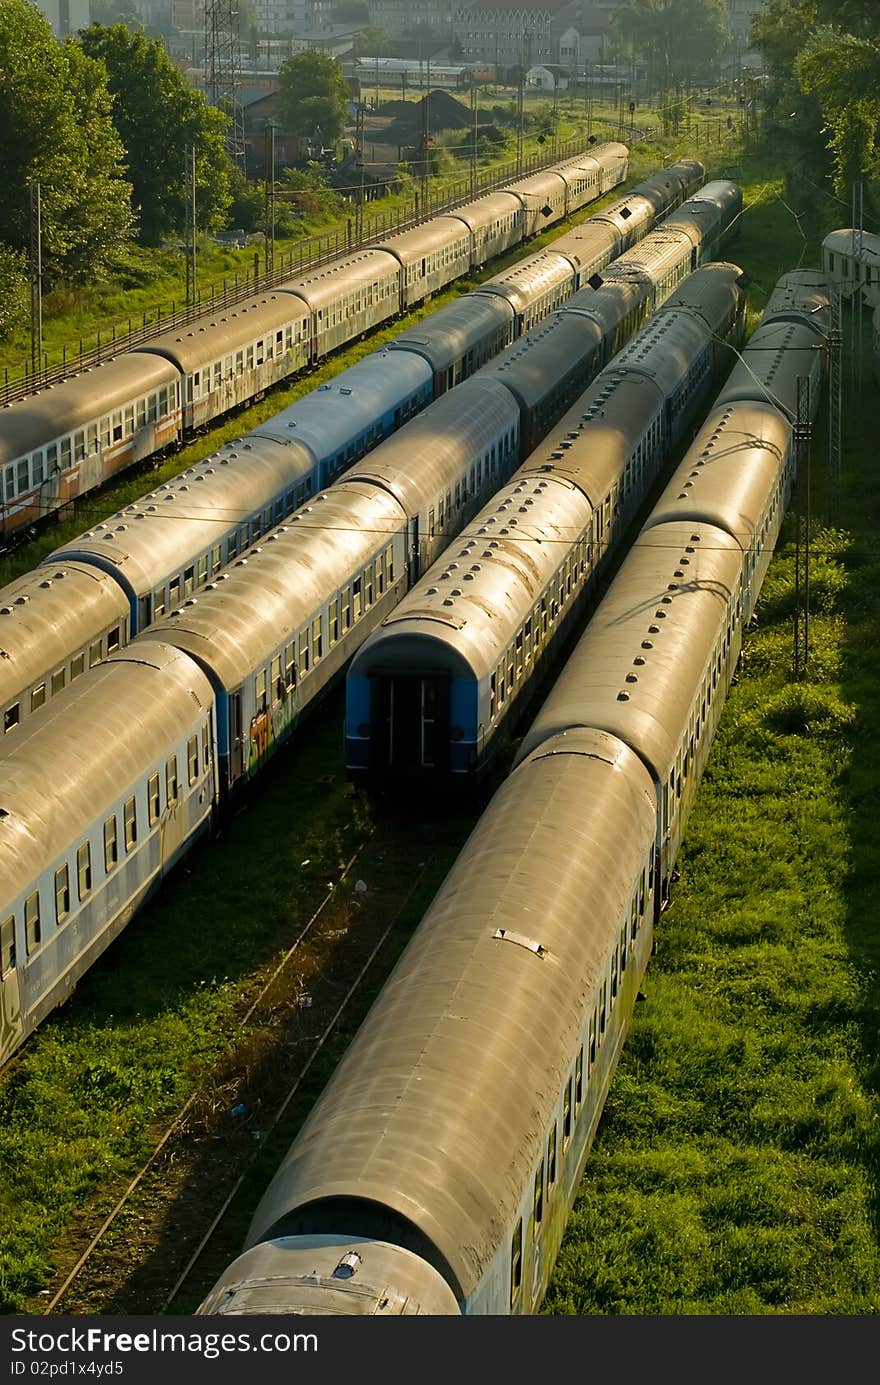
736,1165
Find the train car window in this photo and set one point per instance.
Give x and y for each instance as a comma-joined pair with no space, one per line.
566,1113
260,690
62,896
304,651
623,948
37,472
38,696
171,780
92,435
217,373
173,593
192,759
333,620
516,1262
249,357
317,640
11,717
142,412
492,695
551,1159
7,945
389,562
117,426
113,639
94,653
368,585
345,606
356,598
79,445
615,967
111,844
23,476
158,602
579,1079
288,659
239,361
129,819
538,1202
32,926
83,869
154,803
603,1007
276,686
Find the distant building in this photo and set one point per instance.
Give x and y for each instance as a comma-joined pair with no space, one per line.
65,16
400,18
549,78
517,33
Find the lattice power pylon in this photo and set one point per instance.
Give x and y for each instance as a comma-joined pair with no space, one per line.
223,70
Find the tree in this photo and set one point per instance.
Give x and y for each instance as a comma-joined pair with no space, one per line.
160,117
678,39
844,74
13,291
313,97
55,129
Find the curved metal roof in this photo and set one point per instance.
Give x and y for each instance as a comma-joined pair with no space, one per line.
330,1274
447,334
154,537
412,245
219,334
776,356
636,671
437,1114
235,624
543,355
726,475
323,285
804,295
524,282
64,770
430,453
329,416
462,614
58,410
46,615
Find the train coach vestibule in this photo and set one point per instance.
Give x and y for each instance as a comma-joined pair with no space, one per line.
410,722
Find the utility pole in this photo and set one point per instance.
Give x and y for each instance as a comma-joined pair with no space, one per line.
858,245
36,268
426,134
835,401
803,432
270,198
475,101
191,289
359,162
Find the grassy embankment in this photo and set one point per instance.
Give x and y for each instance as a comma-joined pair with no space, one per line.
736,1166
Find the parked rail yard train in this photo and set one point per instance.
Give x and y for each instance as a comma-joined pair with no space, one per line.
65,440
436,1172
178,537
429,692
145,746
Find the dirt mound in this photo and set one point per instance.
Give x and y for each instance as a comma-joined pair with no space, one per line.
444,113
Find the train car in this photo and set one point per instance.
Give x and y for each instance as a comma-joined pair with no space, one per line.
167,546
92,817
460,337
852,260
495,223
253,346
536,286
282,622
458,1123
340,421
55,622
65,440
430,257
428,693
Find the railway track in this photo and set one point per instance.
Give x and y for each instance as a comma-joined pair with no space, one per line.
152,1248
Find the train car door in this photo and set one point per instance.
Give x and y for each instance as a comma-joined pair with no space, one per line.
11,1020
413,722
